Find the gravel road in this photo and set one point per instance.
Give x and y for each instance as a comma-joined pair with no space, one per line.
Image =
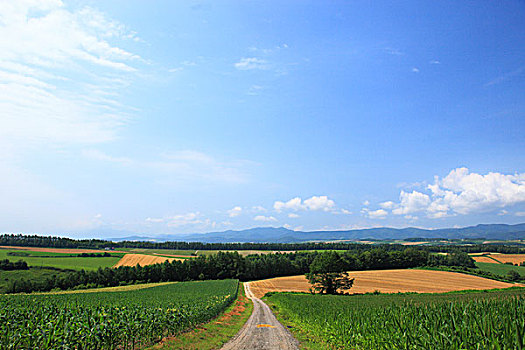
262,331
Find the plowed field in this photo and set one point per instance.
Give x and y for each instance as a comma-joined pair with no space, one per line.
142,260
387,281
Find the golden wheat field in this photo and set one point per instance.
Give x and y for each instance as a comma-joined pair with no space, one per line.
387,281
502,258
142,260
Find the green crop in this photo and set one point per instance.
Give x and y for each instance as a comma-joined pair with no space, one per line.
110,320
450,321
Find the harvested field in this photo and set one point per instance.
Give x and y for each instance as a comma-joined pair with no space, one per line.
484,259
502,258
61,250
142,260
387,281
512,258
414,243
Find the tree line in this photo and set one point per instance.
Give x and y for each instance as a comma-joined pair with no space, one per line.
231,265
61,242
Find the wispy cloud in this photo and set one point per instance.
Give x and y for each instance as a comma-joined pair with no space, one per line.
507,76
263,218
251,63
186,165
60,73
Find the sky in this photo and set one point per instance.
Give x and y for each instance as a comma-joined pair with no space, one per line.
174,117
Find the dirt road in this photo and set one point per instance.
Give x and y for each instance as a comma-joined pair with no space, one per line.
262,331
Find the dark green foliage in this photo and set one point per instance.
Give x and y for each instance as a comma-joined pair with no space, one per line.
7,265
327,273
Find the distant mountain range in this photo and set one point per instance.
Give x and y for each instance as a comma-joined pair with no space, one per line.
283,235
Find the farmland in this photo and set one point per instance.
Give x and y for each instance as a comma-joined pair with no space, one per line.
501,270
480,320
500,258
108,320
387,281
66,259
142,260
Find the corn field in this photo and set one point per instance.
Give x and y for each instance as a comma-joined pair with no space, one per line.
110,320
494,320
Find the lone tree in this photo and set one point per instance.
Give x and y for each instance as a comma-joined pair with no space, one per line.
327,274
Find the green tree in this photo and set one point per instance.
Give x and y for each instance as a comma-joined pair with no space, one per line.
327,274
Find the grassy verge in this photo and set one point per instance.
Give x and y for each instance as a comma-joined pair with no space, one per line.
217,332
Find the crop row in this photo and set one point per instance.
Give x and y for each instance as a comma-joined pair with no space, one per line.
109,320
450,321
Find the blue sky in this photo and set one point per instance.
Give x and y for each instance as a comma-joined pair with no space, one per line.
176,117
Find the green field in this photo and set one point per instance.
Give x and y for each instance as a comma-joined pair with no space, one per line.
109,320
501,269
60,260
480,320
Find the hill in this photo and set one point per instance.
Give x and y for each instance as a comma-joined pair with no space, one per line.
283,235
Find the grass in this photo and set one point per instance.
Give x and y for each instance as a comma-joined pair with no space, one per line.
61,260
501,269
473,320
217,332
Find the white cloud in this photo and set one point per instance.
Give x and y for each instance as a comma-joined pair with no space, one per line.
258,208
374,214
387,205
98,155
366,203
319,203
415,70
463,193
434,62
236,211
251,63
411,202
293,216
155,220
60,75
265,218
345,212
314,203
194,219
293,204
520,213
